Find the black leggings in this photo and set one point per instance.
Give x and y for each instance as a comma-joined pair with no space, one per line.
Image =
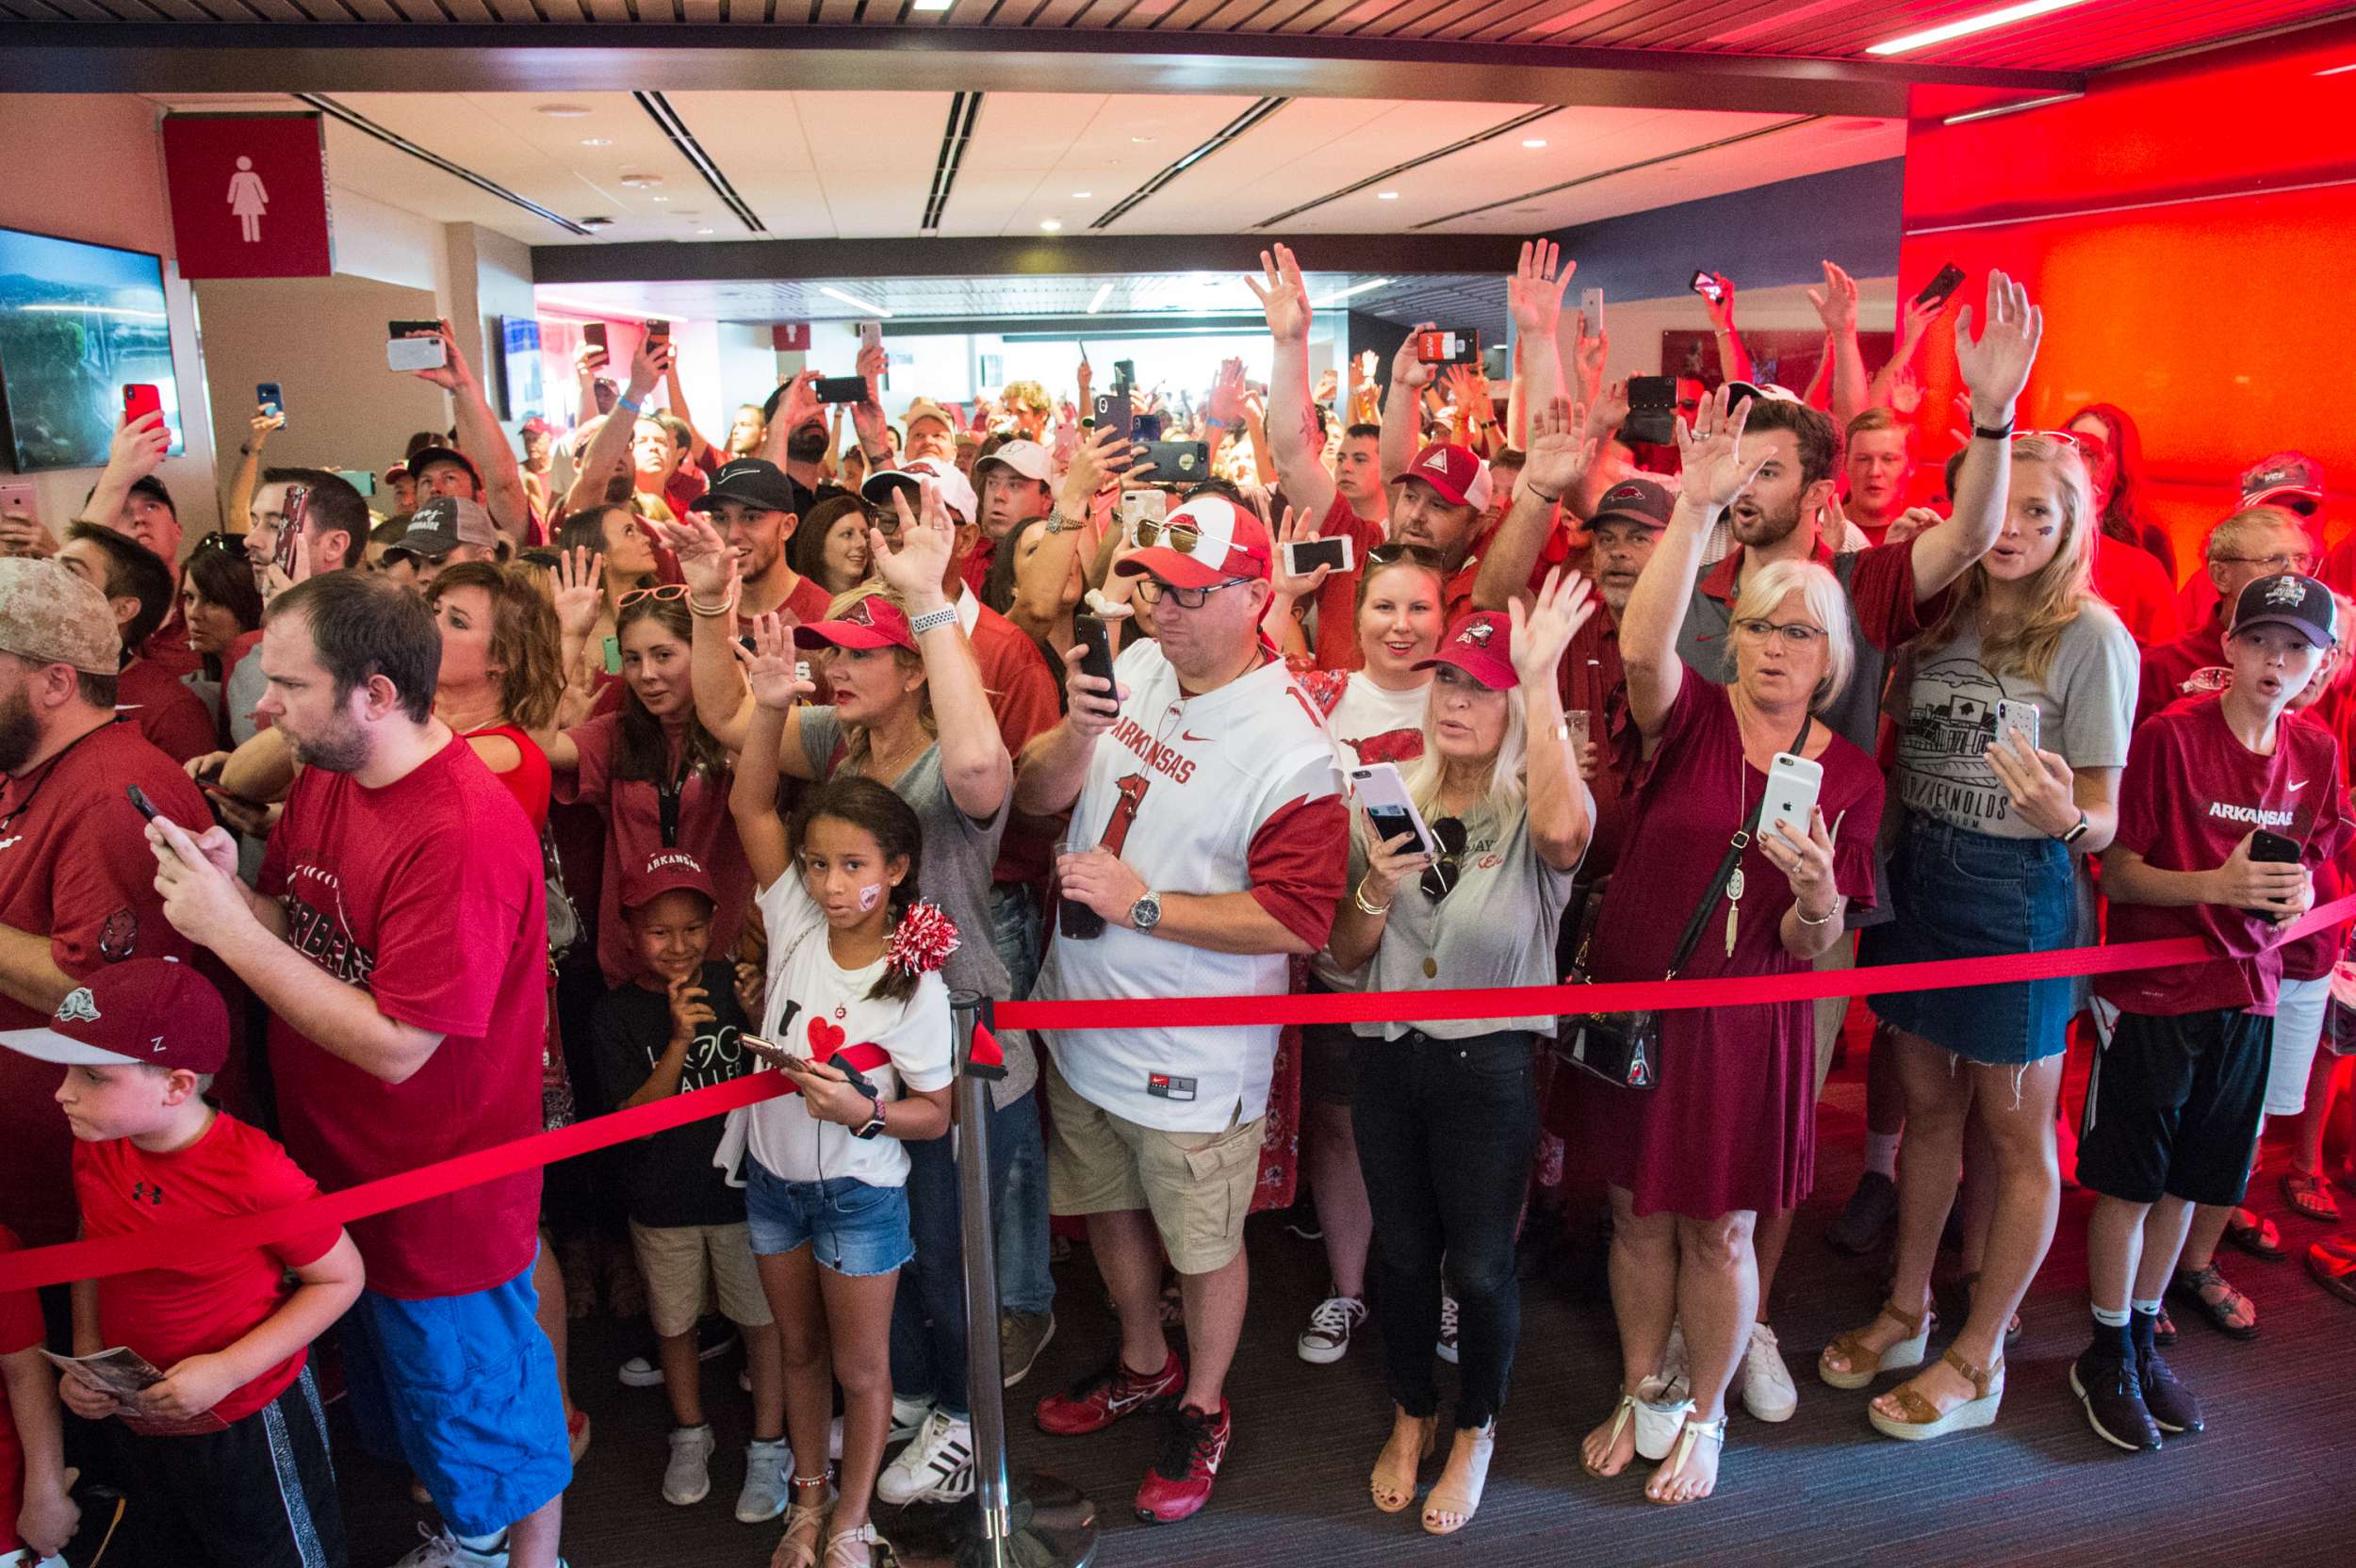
1447,1131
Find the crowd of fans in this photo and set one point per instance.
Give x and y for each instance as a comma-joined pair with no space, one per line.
632,762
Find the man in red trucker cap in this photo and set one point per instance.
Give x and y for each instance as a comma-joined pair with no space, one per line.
230,1443
1207,819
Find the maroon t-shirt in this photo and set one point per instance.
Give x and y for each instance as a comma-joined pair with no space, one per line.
2191,792
75,867
1337,600
1024,700
2188,666
427,895
634,830
1593,682
169,714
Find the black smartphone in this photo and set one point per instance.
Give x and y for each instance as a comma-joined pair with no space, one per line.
657,331
1942,287
1177,461
2270,849
1706,284
1449,346
413,329
271,399
841,389
1096,637
1652,405
1112,413
592,334
292,510
1145,427
147,807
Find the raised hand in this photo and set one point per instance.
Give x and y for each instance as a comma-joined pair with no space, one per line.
927,540
1294,529
1225,403
1836,301
1407,366
799,404
1609,412
648,363
1543,629
1720,310
1534,294
1560,448
1712,450
579,597
1588,356
140,445
769,668
1282,294
1995,366
1914,319
705,561
451,375
1328,389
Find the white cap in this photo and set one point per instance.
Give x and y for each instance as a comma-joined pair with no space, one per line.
1026,458
956,493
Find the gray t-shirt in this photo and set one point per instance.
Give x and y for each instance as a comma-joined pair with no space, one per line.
955,874
1944,702
1495,927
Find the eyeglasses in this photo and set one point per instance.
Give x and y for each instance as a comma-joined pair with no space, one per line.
2067,438
2292,560
1152,590
1798,634
233,543
666,590
1439,877
1182,537
1422,555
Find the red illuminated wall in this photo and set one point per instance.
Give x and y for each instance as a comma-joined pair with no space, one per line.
2191,231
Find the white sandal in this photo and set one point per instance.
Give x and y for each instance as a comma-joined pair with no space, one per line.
865,1540
1466,1502
1692,1434
1621,1414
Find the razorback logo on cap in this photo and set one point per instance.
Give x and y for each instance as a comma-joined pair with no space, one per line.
1477,634
858,614
1624,493
2287,590
77,1008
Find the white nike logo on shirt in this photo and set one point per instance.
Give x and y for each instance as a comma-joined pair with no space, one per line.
2297,784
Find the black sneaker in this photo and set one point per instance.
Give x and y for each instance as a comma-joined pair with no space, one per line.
2107,1385
2174,1408
1866,1224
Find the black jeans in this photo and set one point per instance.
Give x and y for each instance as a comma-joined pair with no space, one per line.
1447,1131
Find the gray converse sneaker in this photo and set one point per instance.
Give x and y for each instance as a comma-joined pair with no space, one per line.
1327,1337
937,1467
687,1480
767,1465
1021,1335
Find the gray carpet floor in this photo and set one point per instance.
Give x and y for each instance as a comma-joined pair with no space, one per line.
2268,1483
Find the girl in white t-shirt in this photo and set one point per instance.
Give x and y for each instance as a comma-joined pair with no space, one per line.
853,962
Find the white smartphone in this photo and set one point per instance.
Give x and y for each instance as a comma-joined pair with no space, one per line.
413,353
1383,794
1792,783
1304,556
1591,306
2020,718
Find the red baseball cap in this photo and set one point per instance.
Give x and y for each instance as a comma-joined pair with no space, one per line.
665,871
1459,476
142,1012
1480,645
1210,539
874,622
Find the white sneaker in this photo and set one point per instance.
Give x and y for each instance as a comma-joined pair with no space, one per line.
1327,1337
1767,1391
1446,1348
687,1478
937,1468
441,1549
640,1372
767,1465
908,1418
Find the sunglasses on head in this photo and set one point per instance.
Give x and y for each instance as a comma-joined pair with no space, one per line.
1439,877
1182,537
665,591
1421,555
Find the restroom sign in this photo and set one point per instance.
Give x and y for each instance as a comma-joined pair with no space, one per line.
248,195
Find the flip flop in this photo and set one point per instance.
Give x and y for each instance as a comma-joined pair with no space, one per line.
2306,1192
2334,1271
2258,1238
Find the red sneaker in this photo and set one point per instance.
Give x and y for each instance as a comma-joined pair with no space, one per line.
1180,1483
1103,1398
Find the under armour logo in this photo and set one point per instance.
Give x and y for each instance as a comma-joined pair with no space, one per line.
77,1008
148,1193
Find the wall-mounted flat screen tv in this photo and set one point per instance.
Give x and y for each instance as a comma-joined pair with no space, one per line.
78,323
520,386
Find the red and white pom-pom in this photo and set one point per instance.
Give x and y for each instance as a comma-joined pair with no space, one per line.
923,941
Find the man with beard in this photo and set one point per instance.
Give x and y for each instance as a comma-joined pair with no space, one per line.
795,438
398,939
751,504
76,886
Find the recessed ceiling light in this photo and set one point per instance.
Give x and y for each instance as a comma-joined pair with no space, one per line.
1386,195
661,198
1082,195
1050,224
703,231
1140,139
597,222
597,142
1985,21
564,112
931,5
638,182
1533,141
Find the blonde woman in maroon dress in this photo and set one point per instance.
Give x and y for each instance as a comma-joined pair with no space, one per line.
1728,1132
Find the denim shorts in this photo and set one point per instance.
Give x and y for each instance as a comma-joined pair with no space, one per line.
852,1227
1959,894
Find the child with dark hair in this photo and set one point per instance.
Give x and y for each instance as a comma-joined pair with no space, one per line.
857,1018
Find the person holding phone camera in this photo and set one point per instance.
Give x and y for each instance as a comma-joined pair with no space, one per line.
2018,705
1445,1112
2224,811
1728,1137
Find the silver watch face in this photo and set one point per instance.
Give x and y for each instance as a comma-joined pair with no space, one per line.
1146,912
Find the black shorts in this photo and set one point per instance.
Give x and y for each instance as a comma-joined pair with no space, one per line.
2174,1106
1329,1064
261,1495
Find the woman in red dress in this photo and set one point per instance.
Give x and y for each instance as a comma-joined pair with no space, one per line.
1728,1132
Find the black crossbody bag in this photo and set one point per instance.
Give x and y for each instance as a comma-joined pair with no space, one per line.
1624,1047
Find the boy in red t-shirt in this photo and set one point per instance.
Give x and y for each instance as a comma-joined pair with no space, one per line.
2211,787
232,1436
37,1515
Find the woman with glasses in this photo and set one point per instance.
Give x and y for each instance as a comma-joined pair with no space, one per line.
1727,1134
2018,705
1445,1111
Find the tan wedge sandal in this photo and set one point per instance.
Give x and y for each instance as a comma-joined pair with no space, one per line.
1852,1349
1922,1418
1393,1492
1451,1508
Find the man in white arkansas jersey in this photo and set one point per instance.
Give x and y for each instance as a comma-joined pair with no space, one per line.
1212,798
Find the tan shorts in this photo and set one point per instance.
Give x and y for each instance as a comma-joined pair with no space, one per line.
1197,1186
680,1260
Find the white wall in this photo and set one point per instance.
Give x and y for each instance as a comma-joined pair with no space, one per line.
104,183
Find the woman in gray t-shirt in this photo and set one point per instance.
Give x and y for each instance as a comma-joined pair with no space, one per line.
1446,1113
2016,712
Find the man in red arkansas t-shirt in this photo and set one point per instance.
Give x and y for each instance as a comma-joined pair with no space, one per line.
400,940
2224,810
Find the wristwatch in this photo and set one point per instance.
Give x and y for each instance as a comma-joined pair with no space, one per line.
2079,831
1146,913
875,1123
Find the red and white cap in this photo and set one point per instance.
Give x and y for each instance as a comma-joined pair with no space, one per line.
1481,646
142,1012
874,622
1461,478
1208,540
665,871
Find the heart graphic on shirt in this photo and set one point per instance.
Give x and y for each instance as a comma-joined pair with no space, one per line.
824,1038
